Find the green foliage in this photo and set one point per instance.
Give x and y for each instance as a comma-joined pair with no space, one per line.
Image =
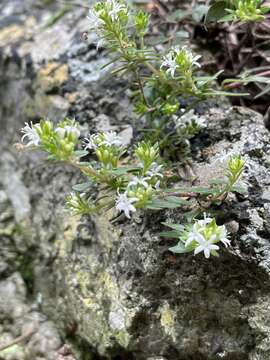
59,142
162,79
162,82
237,10
78,204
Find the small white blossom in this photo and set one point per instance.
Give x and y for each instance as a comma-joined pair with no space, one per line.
204,235
190,117
68,129
206,220
111,139
73,200
89,143
31,134
154,170
135,181
123,203
192,236
93,16
157,185
193,59
205,245
224,236
169,61
115,8
223,157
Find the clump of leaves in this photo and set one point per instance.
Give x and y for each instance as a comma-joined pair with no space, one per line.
125,187
163,81
201,236
139,185
237,10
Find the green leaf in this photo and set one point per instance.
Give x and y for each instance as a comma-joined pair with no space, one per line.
216,12
265,91
177,201
199,12
217,182
170,202
239,189
202,80
82,187
229,17
265,9
80,153
169,234
179,248
124,170
179,15
177,227
194,189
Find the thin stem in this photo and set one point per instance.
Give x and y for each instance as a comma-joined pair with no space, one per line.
141,88
17,340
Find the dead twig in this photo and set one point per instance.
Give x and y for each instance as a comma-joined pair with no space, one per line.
17,340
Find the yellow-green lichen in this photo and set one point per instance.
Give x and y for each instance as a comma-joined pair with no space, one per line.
167,320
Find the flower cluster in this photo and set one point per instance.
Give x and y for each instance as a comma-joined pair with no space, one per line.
240,10
109,20
162,85
180,60
108,147
78,204
202,236
131,188
161,81
31,133
59,142
248,10
102,12
141,187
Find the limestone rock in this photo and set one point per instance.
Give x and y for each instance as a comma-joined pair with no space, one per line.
114,291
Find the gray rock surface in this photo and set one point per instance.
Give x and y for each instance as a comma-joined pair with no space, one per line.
114,291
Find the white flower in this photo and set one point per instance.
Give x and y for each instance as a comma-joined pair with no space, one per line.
223,157
68,129
157,185
30,132
93,16
89,143
72,130
123,203
206,220
224,236
191,58
116,7
188,118
169,61
101,44
73,200
193,235
154,170
205,245
111,139
138,181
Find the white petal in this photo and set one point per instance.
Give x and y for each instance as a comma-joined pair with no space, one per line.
207,253
198,249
